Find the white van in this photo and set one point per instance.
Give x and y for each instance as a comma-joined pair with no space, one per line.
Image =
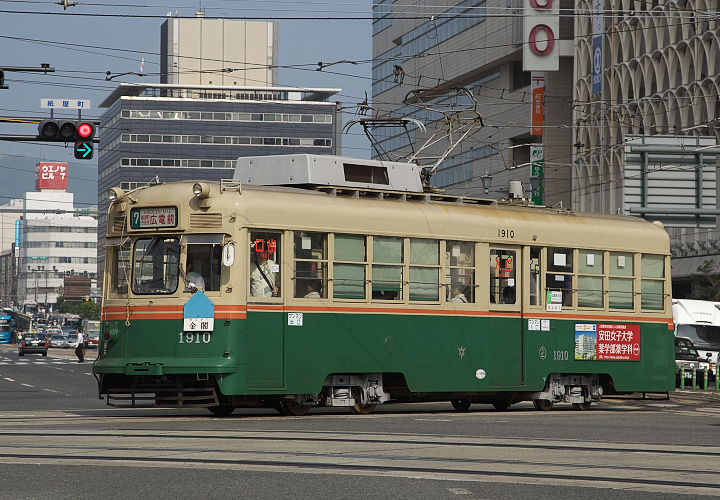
699,321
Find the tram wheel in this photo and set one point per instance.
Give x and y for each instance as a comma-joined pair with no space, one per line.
501,404
542,404
460,404
221,410
582,406
362,409
293,408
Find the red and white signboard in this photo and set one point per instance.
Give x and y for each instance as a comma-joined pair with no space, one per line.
617,342
541,34
51,175
537,87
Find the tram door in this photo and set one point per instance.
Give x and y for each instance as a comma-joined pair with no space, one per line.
265,348
506,335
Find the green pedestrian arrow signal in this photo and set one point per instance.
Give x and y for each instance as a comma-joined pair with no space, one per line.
84,150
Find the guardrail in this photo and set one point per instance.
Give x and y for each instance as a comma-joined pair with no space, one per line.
705,381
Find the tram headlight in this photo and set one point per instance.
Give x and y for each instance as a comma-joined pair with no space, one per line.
115,194
201,190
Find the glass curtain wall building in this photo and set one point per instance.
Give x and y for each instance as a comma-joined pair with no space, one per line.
167,132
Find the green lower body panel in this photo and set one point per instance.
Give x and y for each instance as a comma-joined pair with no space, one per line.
430,354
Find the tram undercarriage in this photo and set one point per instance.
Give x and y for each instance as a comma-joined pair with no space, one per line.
359,392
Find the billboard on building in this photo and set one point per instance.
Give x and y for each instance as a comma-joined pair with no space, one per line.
541,33
51,175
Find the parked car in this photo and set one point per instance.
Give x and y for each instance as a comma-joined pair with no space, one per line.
687,357
33,343
58,340
72,341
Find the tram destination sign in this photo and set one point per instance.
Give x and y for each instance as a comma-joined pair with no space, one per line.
144,218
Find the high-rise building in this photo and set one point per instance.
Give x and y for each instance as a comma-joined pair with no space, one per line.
224,52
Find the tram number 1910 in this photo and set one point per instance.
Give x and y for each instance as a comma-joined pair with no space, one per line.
506,233
561,355
194,338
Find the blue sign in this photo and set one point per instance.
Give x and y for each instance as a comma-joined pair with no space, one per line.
597,50
18,234
199,313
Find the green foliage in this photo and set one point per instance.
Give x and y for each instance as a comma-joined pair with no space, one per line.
706,282
88,310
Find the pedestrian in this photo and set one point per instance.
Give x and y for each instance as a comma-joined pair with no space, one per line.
80,349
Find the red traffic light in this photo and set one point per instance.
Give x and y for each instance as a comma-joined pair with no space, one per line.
85,130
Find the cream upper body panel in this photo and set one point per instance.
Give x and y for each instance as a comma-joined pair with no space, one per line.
292,208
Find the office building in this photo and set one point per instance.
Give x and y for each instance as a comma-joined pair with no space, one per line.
166,132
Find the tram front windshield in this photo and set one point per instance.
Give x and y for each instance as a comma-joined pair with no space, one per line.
156,266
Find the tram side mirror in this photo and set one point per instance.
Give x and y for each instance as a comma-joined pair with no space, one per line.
228,254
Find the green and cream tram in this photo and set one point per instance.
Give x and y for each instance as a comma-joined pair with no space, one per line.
356,291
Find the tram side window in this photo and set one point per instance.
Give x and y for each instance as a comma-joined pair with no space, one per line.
349,267
121,268
620,282
424,270
590,279
535,277
310,265
502,276
652,283
387,268
559,279
265,261
203,261
460,256
156,265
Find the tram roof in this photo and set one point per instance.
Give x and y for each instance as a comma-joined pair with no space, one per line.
420,215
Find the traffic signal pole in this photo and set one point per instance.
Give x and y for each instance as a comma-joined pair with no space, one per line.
44,68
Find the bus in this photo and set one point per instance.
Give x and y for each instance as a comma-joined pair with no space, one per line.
699,321
5,328
362,290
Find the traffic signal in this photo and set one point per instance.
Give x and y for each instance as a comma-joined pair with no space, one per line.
57,130
84,147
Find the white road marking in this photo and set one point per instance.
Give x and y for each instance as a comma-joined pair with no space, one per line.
459,491
27,385
50,390
9,379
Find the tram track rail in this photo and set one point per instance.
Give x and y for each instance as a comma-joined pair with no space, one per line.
594,463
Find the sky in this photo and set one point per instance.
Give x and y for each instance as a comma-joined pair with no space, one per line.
85,41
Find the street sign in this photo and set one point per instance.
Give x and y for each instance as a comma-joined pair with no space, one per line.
84,150
64,103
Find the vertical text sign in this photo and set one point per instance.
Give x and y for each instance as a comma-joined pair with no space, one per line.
541,32
537,88
597,48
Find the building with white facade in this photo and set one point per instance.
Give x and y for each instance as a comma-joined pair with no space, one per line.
49,241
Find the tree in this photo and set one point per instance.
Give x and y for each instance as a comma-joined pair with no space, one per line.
706,282
88,310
